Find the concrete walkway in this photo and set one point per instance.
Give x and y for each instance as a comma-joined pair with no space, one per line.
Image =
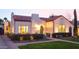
51,40
6,43
2,44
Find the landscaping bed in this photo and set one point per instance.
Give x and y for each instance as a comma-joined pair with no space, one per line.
51,45
26,37
60,35
71,38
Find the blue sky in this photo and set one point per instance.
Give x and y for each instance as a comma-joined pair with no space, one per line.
68,13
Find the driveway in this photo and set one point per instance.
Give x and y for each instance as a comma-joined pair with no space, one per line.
6,43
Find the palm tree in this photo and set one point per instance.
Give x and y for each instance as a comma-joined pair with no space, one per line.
75,23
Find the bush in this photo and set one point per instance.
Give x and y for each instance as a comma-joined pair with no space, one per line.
26,37
15,37
48,34
58,35
38,36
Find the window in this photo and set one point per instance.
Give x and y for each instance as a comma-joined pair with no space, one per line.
23,29
61,28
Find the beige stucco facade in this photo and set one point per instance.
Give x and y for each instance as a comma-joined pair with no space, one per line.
35,24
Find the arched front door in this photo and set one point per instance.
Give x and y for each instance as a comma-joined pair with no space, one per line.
41,29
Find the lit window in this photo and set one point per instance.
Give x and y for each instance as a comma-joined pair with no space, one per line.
23,29
61,28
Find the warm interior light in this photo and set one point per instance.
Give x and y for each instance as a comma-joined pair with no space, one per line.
6,27
61,28
37,27
48,27
23,29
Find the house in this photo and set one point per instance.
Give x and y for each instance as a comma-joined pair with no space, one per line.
1,26
7,27
33,24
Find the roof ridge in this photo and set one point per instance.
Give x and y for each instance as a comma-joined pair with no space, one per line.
22,15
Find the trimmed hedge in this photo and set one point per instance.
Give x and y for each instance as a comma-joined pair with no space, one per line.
58,35
48,34
16,37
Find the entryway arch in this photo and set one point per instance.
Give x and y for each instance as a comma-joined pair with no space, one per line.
41,29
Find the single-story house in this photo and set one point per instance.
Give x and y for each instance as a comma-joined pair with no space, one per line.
33,24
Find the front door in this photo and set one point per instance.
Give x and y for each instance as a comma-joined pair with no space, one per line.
41,29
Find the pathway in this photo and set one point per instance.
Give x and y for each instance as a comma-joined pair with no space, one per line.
6,43
51,40
2,44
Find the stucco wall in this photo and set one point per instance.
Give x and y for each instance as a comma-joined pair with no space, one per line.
12,23
49,27
36,23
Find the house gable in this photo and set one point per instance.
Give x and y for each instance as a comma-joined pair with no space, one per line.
62,21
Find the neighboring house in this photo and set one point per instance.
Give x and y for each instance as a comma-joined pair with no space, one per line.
1,26
32,24
7,27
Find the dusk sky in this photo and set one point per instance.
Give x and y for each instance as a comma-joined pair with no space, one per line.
68,13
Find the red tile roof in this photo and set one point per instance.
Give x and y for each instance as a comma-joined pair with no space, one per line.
54,18
50,19
22,18
28,18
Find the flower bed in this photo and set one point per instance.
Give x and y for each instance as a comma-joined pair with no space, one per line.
26,37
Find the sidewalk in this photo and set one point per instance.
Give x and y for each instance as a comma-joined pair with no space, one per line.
8,42
2,44
51,40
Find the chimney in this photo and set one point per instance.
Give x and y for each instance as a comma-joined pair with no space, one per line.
35,16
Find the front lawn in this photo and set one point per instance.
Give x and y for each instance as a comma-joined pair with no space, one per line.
51,45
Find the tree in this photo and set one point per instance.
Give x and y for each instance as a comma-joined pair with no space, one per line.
5,18
75,23
1,22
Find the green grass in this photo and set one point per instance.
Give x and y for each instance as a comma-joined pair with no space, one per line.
51,45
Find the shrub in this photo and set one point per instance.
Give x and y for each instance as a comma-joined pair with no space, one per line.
48,34
38,36
15,37
26,37
58,35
